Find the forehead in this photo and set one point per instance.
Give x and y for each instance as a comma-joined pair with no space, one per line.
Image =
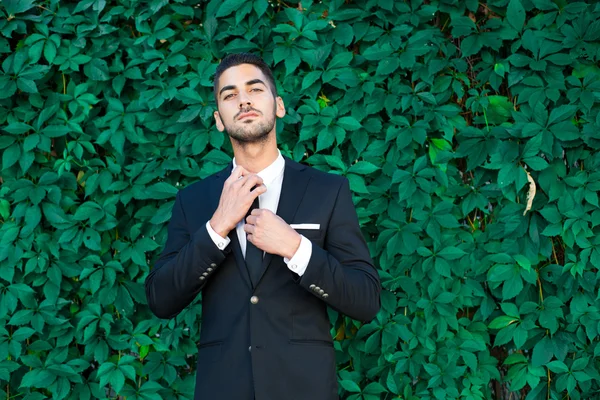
239,75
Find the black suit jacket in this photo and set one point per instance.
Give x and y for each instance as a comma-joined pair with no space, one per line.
269,339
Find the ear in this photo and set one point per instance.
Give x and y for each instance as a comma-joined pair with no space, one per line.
280,109
219,121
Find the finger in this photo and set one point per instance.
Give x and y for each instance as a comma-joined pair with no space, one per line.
244,170
251,220
236,173
242,180
249,228
257,212
253,180
257,191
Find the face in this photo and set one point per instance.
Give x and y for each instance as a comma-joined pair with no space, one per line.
246,106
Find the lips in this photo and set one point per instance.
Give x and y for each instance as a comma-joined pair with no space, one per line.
248,114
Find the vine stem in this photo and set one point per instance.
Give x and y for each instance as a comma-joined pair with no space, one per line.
471,223
549,380
486,120
44,8
554,252
540,284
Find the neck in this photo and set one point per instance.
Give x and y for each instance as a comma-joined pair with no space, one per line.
255,157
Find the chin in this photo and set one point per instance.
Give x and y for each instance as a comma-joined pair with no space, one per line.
249,137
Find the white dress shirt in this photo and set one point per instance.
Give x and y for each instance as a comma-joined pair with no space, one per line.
272,177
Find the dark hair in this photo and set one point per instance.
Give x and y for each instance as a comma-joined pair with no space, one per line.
232,60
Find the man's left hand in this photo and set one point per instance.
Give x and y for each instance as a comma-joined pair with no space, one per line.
270,233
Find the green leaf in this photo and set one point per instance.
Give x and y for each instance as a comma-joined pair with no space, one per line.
522,261
471,45
18,128
532,146
377,52
160,190
91,238
445,298
561,113
97,70
14,7
53,131
310,78
343,34
542,352
580,363
374,388
506,175
515,358
388,66
325,139
11,155
349,123
27,85
512,287
357,183
340,60
31,378
22,334
557,366
502,322
510,309
363,168
350,386
190,113
451,253
83,5
4,209
520,336
228,6
536,163
515,14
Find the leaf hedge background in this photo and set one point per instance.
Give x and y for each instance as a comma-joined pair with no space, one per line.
446,116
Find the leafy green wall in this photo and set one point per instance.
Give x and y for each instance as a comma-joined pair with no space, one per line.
446,117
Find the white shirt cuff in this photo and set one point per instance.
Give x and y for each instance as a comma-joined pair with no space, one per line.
220,242
299,261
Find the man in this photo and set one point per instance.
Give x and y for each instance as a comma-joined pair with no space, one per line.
266,277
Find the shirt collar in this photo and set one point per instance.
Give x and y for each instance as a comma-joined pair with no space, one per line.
271,172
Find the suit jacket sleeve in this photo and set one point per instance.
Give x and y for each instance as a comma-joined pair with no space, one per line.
184,266
343,270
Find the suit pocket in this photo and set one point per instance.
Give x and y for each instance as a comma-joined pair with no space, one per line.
311,234
311,342
209,352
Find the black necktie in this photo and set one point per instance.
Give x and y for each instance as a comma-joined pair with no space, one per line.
254,255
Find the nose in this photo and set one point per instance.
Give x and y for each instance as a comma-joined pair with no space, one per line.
244,99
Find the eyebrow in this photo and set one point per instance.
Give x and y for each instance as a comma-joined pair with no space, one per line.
249,83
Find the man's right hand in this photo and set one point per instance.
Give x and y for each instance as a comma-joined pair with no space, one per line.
236,199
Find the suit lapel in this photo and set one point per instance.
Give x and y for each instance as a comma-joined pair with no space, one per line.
215,195
295,181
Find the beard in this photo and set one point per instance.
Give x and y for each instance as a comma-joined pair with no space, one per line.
246,132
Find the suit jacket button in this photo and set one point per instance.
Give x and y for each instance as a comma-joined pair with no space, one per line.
249,348
321,291
205,274
316,289
209,269
325,295
202,278
213,265
254,299
312,287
